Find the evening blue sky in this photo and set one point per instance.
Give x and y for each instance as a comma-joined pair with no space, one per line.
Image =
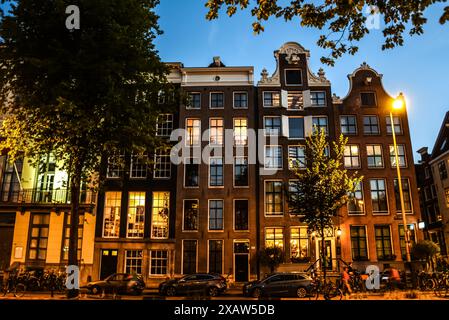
420,68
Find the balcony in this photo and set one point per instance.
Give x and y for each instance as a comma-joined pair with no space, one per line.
37,197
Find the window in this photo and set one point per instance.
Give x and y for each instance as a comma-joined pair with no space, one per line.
273,157
161,97
39,236
194,100
216,215
162,164
216,172
370,125
111,215
133,261
446,193
293,77
116,163
10,185
66,235
241,215
293,196
216,100
368,98
271,99
136,215
216,256
274,237
379,196
383,242
442,169
164,125
374,156
295,128
401,156
240,131
299,244
352,156
273,198
45,179
189,256
359,245
356,204
193,127
240,100
241,172
412,238
138,166
160,215
318,98
295,100
159,261
216,131
397,125
405,192
320,124
427,172
191,215
191,172
348,125
272,126
296,157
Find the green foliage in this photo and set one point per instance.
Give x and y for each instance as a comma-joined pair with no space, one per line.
271,257
323,186
344,20
80,94
425,249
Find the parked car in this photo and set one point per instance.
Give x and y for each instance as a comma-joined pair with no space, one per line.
280,284
121,283
198,283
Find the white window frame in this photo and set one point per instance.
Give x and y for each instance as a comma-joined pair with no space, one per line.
168,219
216,128
150,264
381,154
187,133
182,255
265,199
161,156
169,119
359,158
367,238
233,171
185,171
318,105
387,213
286,127
128,212
223,173
265,236
272,106
364,203
222,253
265,157
303,166
194,92
265,133
183,214
210,99
296,84
120,214
235,135
391,146
208,215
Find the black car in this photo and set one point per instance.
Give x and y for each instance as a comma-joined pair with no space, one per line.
279,284
120,283
198,283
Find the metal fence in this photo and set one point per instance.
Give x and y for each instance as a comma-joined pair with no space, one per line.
38,196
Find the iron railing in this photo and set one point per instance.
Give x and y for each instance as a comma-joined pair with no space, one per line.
38,196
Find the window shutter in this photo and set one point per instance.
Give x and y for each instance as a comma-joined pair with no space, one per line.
308,128
285,129
284,99
306,98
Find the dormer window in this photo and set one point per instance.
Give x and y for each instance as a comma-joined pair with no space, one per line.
293,77
368,99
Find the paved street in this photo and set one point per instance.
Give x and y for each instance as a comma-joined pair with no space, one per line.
231,294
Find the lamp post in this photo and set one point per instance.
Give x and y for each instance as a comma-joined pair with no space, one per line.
397,105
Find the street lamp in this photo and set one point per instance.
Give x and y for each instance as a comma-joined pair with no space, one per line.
398,104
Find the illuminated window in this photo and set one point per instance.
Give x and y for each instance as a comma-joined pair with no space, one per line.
240,131
274,237
273,198
133,262
401,156
352,156
193,128
40,223
299,243
271,99
111,214
158,262
374,155
116,163
216,131
356,204
66,236
160,215
136,215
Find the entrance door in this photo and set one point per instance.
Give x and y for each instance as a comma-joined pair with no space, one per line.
241,267
6,238
108,262
328,253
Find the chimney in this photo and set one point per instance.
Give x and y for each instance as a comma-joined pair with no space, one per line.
217,61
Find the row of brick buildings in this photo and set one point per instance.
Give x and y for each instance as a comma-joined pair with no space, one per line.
215,215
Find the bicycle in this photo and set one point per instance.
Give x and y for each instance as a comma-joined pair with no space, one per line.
328,289
442,285
13,286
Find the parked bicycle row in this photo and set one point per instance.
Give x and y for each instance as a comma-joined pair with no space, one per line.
17,282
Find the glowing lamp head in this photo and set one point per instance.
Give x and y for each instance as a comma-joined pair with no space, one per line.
338,232
398,103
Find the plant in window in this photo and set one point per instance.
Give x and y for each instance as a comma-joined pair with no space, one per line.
271,257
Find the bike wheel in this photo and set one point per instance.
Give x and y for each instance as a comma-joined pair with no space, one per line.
19,291
4,290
